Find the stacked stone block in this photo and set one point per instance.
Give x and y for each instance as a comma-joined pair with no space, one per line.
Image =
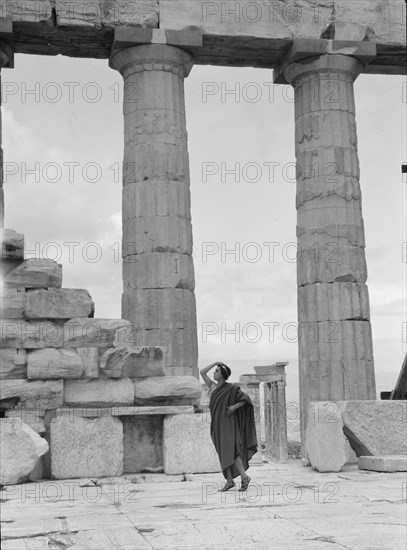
66,374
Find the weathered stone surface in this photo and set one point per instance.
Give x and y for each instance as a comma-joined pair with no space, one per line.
36,394
103,392
90,333
167,390
145,410
187,445
20,450
107,14
12,304
350,264
158,270
375,427
28,11
84,447
90,361
157,234
58,303
134,362
326,444
156,308
31,417
35,273
12,245
156,198
181,344
333,302
54,363
13,363
389,463
30,334
142,442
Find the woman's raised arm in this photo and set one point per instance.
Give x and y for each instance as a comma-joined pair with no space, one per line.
205,377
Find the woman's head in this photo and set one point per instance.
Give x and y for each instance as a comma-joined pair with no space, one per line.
222,371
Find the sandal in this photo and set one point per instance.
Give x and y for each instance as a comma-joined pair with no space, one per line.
227,486
245,484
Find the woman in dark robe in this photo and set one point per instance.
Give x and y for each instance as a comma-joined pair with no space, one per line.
233,428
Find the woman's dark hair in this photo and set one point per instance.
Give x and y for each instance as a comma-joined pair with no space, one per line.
225,370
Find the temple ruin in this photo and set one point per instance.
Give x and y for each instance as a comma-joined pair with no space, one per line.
319,48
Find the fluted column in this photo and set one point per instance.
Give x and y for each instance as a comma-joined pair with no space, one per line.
335,344
158,271
6,54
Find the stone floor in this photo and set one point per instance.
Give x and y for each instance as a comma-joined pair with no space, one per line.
287,506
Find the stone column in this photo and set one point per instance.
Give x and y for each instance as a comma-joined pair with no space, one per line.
252,388
335,344
6,55
282,433
275,421
158,271
268,422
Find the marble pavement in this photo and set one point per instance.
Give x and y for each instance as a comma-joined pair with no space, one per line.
288,506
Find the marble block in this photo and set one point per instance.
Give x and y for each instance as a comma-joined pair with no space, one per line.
20,450
187,445
86,447
375,427
325,441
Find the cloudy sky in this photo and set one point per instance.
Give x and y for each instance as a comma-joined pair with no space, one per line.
63,147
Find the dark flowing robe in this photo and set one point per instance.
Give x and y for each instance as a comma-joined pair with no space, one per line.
235,434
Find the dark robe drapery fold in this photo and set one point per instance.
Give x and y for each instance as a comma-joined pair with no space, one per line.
235,434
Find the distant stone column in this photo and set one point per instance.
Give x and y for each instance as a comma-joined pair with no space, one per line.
268,422
158,271
252,388
335,343
282,435
6,54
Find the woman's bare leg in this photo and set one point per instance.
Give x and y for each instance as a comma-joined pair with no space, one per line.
240,468
229,477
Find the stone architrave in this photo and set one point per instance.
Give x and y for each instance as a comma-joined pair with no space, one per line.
335,345
326,443
33,394
120,12
167,390
58,303
90,361
135,362
13,363
187,445
19,333
35,273
20,450
51,363
375,427
91,333
157,231
101,392
86,447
